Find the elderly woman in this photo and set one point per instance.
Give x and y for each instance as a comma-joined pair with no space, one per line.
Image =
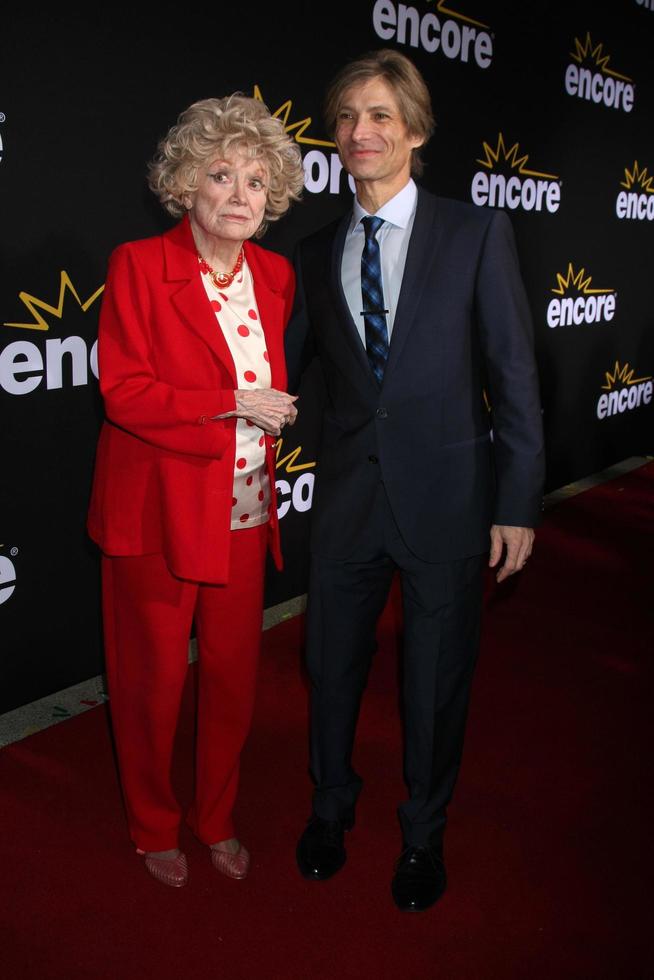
183,505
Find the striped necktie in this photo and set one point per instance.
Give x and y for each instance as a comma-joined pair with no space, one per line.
372,294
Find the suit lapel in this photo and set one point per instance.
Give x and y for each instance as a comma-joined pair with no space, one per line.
189,298
423,246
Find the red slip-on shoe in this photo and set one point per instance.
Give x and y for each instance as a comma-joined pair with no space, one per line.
169,871
233,865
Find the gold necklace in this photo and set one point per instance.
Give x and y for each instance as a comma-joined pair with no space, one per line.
221,279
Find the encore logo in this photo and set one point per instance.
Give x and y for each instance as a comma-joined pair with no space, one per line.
622,392
589,77
299,493
439,30
637,201
7,576
25,365
507,182
576,301
323,171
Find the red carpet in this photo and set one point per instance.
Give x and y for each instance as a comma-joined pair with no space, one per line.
549,842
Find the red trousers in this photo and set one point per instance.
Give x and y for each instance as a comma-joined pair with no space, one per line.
148,615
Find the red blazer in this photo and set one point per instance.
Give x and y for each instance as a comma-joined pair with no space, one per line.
164,470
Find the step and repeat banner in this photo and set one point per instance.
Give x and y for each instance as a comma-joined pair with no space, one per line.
544,110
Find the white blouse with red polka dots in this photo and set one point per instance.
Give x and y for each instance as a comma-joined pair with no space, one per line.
238,318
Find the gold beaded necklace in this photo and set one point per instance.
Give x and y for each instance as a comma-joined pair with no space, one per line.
221,279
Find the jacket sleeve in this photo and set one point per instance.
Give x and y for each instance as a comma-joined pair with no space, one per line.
172,418
506,332
298,341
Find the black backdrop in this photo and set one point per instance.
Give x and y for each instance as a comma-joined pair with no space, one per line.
84,101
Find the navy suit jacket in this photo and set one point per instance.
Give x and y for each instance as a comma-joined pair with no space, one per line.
462,335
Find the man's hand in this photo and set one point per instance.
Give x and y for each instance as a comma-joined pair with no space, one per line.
268,408
519,542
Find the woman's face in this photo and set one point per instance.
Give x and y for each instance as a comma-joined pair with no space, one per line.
230,199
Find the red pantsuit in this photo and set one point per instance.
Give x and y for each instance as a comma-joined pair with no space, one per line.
161,511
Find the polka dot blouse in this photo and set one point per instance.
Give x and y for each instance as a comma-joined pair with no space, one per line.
238,318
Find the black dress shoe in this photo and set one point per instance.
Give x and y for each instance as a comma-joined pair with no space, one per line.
320,850
419,878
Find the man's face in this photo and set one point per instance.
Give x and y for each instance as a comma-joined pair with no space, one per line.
372,138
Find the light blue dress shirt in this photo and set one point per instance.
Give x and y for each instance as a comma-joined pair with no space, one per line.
393,238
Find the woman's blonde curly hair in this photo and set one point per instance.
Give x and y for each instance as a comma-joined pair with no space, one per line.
222,127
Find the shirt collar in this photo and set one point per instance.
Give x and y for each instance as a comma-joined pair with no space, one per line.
398,211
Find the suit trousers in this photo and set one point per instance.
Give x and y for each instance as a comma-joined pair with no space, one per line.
441,612
148,614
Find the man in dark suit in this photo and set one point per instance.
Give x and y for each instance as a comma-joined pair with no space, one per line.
414,305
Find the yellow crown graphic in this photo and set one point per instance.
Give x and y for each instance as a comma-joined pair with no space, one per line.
585,50
32,302
638,175
289,462
448,12
297,128
623,374
501,153
572,278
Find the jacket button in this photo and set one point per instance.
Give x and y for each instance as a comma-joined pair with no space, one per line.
382,413
373,459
